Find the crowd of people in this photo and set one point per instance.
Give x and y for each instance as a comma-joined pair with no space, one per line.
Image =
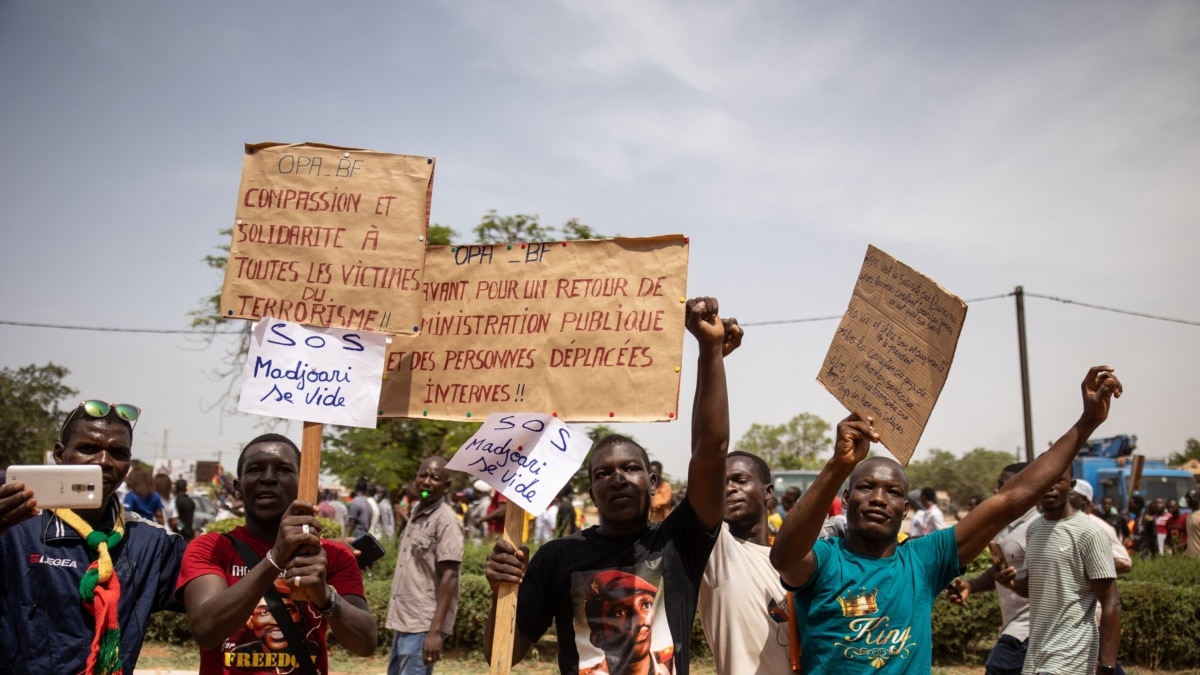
822,581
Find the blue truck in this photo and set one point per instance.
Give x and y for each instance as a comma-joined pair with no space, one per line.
1107,464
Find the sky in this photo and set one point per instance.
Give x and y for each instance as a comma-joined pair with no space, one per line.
1053,146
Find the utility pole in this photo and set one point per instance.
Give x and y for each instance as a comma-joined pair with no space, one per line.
1020,294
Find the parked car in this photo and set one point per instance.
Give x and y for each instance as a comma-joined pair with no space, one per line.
206,512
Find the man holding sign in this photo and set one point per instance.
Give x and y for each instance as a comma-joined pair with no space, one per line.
885,590
623,594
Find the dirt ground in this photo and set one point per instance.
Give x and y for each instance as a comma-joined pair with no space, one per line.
159,657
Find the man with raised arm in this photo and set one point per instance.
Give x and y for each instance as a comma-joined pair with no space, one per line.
237,587
865,601
606,587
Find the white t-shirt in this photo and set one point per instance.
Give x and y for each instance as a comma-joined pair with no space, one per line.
741,600
1014,608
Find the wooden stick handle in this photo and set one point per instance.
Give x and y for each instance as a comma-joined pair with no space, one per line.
505,627
310,470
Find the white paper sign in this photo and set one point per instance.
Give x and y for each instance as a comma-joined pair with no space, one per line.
528,457
326,375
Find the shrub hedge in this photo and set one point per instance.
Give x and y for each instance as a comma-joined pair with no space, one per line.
1160,606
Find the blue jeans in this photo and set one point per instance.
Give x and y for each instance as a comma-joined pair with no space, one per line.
1007,657
408,655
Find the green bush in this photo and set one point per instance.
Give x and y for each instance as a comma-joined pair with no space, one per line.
1160,618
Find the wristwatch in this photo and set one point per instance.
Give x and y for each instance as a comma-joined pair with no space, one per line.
335,601
1106,669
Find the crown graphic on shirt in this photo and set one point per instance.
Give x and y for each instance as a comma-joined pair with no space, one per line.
861,604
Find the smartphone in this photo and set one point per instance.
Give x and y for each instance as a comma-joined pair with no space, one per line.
72,486
371,549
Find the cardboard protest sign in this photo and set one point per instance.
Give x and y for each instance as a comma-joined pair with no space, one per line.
328,236
892,352
528,457
325,375
591,330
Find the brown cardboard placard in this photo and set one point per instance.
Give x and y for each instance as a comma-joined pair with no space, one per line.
330,237
892,352
590,330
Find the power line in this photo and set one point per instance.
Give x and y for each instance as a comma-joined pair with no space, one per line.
1110,309
839,316
169,331
777,322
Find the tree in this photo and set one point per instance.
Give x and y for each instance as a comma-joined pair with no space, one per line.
30,418
800,443
497,229
962,477
1191,450
390,454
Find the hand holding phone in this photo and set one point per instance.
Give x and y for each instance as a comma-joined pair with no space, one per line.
72,486
371,549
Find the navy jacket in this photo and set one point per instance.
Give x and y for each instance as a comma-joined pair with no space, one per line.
44,627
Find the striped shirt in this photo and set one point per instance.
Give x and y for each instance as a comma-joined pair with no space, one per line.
1062,557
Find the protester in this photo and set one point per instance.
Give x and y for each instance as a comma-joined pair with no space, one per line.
743,608
141,498
162,485
229,582
1158,510
1081,500
362,513
425,585
1069,566
340,512
325,507
185,511
72,602
1008,655
566,521
1145,539
788,500
385,524
568,576
884,590
1176,529
1193,523
660,502
475,525
929,519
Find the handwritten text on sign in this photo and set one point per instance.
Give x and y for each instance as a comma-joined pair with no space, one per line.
592,330
527,457
331,237
892,352
322,375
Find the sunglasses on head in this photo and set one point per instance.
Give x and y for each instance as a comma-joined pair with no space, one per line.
99,409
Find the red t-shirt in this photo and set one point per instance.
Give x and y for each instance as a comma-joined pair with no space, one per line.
258,646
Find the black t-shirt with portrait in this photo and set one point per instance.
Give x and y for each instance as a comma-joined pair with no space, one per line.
586,582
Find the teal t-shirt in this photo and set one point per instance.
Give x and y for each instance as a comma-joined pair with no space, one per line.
872,615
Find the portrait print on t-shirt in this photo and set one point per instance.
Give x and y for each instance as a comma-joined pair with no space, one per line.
621,622
261,645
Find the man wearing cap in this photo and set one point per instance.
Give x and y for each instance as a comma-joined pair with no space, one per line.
563,582
1069,568
57,618
1081,500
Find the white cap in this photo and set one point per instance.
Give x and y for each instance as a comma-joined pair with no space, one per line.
1082,487
483,487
